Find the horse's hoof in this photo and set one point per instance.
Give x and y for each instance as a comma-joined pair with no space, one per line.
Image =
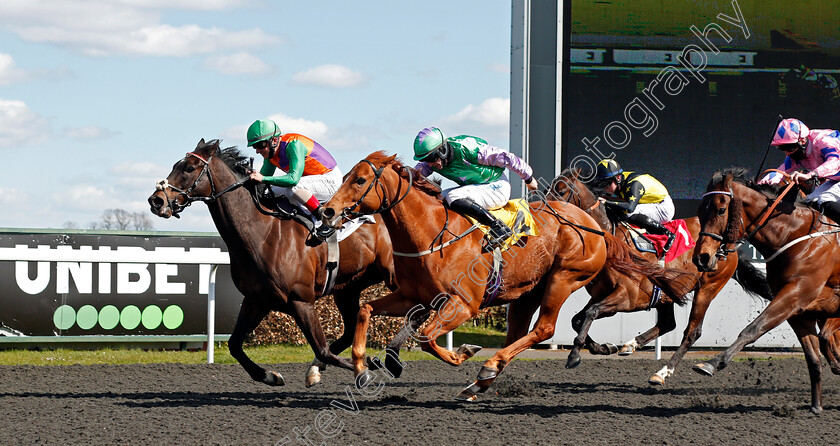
468,350
274,379
313,376
656,380
393,365
469,394
704,368
363,378
374,363
572,362
816,410
487,373
611,348
626,350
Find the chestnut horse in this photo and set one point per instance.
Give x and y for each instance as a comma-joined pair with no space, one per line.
803,266
271,264
440,263
612,292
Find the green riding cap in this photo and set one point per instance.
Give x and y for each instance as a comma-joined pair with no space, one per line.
261,130
427,141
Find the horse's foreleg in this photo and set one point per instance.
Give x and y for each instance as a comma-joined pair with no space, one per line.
441,324
393,304
806,331
693,330
393,364
306,318
250,315
347,303
789,301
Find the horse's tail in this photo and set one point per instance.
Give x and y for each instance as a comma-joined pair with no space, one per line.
752,279
672,281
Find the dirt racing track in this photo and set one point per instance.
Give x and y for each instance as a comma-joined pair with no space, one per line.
604,401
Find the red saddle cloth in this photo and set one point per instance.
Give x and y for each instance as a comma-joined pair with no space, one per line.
682,243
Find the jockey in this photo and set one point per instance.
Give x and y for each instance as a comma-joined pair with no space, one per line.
646,202
817,151
479,170
310,174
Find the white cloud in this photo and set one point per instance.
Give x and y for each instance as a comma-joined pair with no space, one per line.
21,126
498,67
238,64
493,112
89,133
9,74
100,28
335,76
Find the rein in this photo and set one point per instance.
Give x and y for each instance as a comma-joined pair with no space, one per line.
384,206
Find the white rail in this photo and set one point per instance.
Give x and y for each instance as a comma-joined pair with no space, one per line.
200,256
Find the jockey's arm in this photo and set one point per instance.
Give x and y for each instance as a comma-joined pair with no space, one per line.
634,193
494,156
831,165
774,178
296,153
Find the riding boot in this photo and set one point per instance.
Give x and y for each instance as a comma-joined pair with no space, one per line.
499,232
831,209
654,227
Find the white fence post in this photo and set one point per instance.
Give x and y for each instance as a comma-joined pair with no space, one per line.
211,315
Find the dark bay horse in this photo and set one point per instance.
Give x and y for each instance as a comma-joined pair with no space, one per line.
803,266
452,278
270,262
612,292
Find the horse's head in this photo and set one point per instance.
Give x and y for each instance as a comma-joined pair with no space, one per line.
720,215
365,190
189,180
569,187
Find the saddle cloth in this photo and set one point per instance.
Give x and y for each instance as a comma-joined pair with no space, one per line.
682,242
508,215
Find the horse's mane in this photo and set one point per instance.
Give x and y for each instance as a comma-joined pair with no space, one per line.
231,156
741,175
419,182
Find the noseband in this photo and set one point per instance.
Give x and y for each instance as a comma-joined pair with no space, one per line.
177,207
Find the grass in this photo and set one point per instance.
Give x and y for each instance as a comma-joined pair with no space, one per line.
272,354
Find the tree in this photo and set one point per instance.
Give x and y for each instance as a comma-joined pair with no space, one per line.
120,219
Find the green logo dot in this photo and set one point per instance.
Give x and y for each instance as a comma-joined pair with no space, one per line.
130,317
87,317
173,317
109,317
64,317
152,317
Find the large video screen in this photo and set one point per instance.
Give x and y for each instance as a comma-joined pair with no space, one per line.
679,89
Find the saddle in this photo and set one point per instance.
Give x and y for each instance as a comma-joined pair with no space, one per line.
653,243
516,214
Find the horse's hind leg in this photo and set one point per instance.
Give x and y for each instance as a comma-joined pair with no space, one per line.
447,318
830,343
558,290
665,323
806,331
699,307
250,315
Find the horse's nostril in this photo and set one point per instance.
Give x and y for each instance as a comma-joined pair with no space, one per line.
329,213
156,202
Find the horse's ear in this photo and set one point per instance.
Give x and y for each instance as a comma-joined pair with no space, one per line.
727,181
200,143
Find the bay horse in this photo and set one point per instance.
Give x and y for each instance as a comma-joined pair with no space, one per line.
612,292
440,263
271,264
803,266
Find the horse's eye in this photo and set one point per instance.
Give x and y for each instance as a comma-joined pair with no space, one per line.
721,211
189,169
360,180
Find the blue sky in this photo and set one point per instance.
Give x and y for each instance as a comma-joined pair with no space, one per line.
99,98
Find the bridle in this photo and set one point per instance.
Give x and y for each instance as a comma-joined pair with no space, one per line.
765,214
178,207
384,206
